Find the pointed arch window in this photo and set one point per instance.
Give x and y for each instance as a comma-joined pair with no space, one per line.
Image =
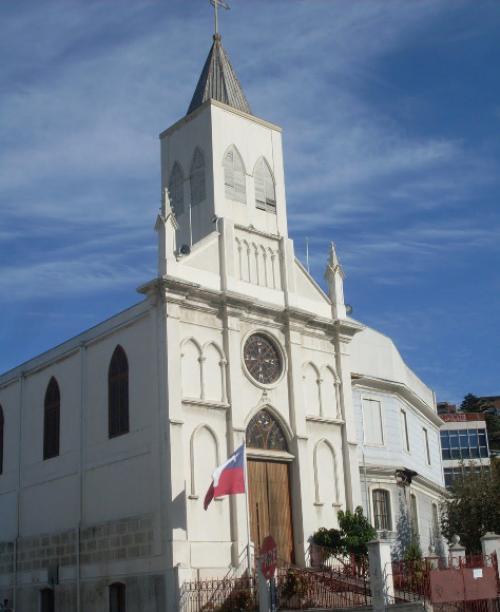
51,420
197,178
117,597
118,418
176,189
265,432
1,439
234,176
265,194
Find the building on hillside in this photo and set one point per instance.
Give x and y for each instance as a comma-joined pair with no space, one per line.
446,408
398,440
464,445
109,440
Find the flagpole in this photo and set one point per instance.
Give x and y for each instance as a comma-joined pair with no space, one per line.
249,554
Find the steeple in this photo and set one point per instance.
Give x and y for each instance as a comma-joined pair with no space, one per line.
219,81
334,276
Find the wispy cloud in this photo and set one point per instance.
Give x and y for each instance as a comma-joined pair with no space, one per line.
86,86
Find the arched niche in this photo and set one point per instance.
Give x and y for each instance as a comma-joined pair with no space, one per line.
191,369
213,373
330,397
326,487
204,455
311,389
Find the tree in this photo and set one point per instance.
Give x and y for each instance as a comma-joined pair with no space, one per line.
407,544
473,508
493,427
357,531
354,533
471,403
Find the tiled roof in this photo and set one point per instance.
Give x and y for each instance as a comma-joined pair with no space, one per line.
219,81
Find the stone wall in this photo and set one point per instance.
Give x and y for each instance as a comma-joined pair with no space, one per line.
41,555
6,557
130,538
143,594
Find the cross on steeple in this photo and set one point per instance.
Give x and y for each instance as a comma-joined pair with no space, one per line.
216,4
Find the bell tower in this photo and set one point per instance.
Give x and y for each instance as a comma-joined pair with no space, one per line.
220,161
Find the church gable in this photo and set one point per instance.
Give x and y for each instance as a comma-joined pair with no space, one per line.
306,286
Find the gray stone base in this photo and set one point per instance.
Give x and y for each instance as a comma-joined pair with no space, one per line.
143,594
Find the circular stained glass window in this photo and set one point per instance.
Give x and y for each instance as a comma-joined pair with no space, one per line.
262,359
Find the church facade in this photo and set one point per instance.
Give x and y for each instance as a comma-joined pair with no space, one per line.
110,439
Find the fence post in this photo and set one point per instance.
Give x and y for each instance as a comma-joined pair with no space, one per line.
457,551
490,544
263,591
381,580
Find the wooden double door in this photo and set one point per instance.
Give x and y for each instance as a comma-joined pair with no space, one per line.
270,507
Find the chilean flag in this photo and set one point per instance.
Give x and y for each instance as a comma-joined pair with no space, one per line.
228,478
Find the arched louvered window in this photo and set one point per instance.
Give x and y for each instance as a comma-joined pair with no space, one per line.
197,178
234,176
47,600
1,439
176,189
118,422
265,432
51,420
265,195
117,597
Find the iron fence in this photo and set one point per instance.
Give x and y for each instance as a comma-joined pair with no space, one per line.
219,595
330,584
417,580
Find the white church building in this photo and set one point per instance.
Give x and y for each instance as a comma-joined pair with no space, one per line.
108,441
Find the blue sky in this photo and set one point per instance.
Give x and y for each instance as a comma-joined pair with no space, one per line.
391,112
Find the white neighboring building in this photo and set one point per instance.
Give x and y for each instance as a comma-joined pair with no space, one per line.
398,436
111,437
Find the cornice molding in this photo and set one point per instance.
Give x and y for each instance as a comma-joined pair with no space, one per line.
205,403
389,473
400,389
323,420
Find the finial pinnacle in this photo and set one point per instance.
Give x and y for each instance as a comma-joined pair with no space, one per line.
216,4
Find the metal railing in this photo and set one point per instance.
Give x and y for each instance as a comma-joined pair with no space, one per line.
219,595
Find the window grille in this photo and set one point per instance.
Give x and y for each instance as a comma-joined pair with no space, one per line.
413,513
51,420
118,413
381,510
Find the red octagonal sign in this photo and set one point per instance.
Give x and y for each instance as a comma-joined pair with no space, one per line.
268,557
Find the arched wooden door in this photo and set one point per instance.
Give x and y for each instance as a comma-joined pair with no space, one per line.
269,487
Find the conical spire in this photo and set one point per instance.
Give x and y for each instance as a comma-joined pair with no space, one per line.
219,81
